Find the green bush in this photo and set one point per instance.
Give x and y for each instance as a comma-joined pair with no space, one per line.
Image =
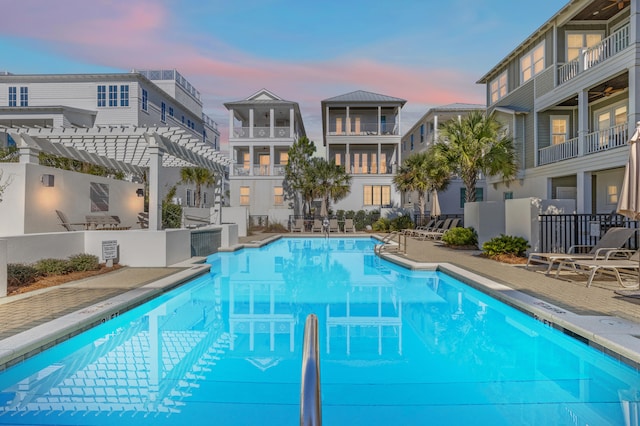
19,274
84,262
52,267
460,237
401,222
505,244
276,227
171,215
381,225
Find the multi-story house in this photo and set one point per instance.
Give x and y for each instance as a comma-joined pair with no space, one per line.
262,128
424,134
361,131
568,95
150,98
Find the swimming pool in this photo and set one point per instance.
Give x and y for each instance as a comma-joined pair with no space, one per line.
397,347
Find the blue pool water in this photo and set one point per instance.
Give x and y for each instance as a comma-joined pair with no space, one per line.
397,347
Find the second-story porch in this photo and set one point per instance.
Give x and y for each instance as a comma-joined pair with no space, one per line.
260,160
365,159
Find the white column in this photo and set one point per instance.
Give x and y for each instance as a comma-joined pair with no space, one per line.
400,120
3,267
634,95
231,135
347,159
155,165
583,200
435,129
379,120
347,123
292,127
251,123
583,119
272,123
27,154
272,160
378,159
251,160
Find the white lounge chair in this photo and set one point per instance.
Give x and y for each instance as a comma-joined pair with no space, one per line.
613,239
610,264
297,225
349,226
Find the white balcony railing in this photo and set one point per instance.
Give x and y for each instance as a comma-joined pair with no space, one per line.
607,48
602,140
262,132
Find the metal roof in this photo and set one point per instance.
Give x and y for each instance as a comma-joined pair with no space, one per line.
364,96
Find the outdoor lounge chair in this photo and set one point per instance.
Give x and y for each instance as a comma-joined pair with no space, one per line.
412,231
333,225
438,233
349,226
317,226
613,239
297,225
66,224
441,226
143,220
610,264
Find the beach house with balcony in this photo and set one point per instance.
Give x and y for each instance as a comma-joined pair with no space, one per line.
262,128
423,134
361,131
568,96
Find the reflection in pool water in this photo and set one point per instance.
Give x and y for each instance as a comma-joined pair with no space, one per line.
397,347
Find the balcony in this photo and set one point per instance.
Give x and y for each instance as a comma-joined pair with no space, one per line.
261,132
365,128
259,170
601,140
606,49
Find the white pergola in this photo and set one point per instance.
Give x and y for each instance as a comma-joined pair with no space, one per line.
130,149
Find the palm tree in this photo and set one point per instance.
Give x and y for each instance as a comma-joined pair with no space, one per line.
295,173
198,176
422,172
331,182
476,144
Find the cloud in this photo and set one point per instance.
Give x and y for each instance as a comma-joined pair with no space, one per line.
147,35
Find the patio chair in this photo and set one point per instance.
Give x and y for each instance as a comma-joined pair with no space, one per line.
438,233
66,224
610,264
410,232
297,225
317,226
333,225
143,220
441,226
613,239
349,226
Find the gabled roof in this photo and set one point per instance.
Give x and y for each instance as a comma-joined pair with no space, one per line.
261,97
363,96
459,107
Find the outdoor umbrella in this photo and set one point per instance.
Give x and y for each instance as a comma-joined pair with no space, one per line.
629,200
435,204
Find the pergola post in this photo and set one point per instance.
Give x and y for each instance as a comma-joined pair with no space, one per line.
155,164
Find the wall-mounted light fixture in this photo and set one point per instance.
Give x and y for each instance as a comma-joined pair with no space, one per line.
140,192
47,180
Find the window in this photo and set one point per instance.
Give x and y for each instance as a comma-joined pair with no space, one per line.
204,135
188,197
204,199
124,95
377,195
145,100
24,96
578,41
532,63
411,139
113,96
278,196
99,196
559,130
163,112
183,119
284,158
463,194
244,195
170,111
102,96
421,133
507,195
499,87
612,194
13,96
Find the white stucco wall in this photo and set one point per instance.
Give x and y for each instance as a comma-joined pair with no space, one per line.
487,218
237,215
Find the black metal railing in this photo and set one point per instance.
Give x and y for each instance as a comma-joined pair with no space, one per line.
558,232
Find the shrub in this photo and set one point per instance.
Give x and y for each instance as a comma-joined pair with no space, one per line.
460,237
276,227
84,262
505,244
52,267
401,222
381,225
20,274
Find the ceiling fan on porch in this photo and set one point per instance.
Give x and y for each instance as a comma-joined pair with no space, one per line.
608,91
620,3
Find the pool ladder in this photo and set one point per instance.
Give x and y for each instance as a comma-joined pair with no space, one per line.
385,245
310,400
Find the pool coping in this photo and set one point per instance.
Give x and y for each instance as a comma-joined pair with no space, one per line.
615,336
23,345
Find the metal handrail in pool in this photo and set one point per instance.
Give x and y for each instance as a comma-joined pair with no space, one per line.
310,401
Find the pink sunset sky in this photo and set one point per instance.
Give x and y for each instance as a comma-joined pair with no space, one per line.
428,52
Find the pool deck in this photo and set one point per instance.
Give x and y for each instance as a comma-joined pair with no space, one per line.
36,320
